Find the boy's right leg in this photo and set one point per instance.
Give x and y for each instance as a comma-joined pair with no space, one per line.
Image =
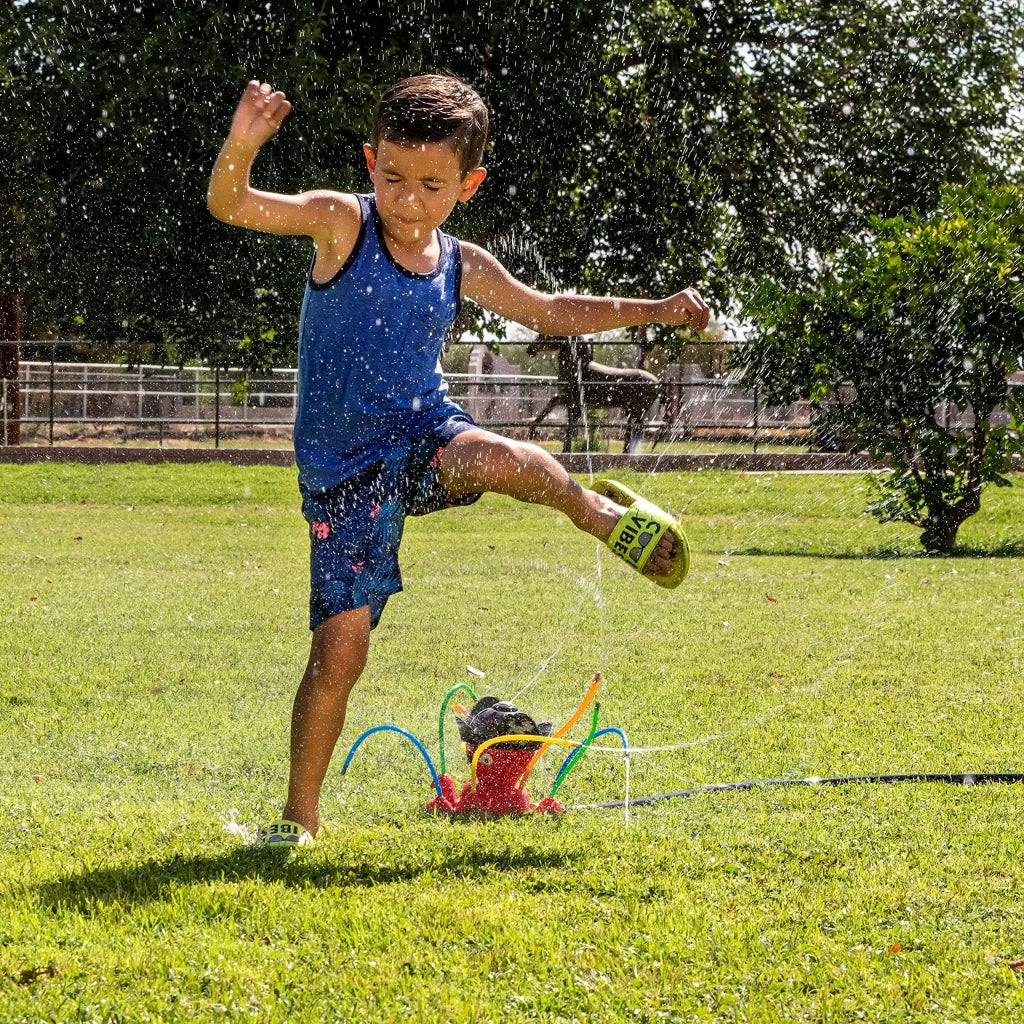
478,460
337,658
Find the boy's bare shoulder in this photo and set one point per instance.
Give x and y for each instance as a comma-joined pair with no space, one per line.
476,259
483,268
334,219
334,209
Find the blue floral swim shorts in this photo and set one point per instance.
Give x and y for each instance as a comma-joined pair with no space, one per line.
355,528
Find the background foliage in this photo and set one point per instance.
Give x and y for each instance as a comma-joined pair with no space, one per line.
925,318
637,148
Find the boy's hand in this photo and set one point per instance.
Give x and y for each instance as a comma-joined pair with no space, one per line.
685,307
259,115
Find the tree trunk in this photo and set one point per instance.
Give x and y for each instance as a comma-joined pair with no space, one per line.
939,538
10,330
940,527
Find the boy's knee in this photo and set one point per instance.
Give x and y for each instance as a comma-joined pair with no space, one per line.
505,458
339,649
475,459
516,452
336,673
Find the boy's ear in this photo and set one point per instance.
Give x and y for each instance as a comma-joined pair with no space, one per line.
472,181
371,157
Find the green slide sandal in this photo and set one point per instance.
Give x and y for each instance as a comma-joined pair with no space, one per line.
283,835
638,532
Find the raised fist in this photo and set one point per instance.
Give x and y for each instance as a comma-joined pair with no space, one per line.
259,114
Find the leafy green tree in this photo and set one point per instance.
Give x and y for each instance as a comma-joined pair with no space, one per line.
910,329
637,147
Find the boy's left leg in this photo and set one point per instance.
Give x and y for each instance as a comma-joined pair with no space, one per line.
478,460
337,657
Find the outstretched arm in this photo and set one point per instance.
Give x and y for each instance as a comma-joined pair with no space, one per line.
486,281
320,214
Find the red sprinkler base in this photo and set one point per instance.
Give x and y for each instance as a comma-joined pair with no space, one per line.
498,770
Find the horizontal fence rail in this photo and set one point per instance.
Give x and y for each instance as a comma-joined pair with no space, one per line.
55,400
59,395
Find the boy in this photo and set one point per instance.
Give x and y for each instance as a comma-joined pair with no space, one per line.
376,437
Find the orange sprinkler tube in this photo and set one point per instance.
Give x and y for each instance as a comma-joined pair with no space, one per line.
545,743
573,719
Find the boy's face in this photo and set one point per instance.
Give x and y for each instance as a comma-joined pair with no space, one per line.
417,186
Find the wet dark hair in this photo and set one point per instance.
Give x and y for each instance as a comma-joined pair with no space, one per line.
434,108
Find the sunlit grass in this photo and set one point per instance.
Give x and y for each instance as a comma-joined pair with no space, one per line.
154,629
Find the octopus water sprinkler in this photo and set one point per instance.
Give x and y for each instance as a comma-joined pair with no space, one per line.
502,744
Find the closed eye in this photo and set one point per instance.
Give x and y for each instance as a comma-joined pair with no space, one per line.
395,179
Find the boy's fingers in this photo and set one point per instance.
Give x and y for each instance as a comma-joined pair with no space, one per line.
702,316
277,109
254,95
701,311
279,112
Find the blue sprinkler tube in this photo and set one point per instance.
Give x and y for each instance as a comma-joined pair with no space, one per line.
401,732
570,762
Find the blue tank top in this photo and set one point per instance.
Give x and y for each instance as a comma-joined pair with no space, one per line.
370,344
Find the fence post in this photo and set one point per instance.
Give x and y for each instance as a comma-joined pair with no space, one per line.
757,406
52,350
3,398
576,363
216,407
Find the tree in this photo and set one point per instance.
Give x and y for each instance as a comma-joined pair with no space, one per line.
637,147
923,318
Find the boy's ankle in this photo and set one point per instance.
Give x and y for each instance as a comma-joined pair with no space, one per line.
310,822
601,515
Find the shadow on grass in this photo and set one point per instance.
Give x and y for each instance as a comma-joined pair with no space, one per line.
131,884
1006,549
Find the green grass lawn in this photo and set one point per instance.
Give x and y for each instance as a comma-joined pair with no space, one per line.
152,635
